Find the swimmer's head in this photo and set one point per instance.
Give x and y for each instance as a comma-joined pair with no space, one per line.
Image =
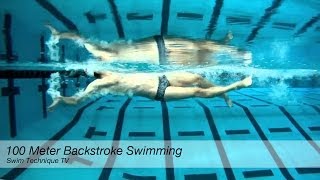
97,75
92,73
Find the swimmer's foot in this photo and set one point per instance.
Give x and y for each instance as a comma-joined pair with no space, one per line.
229,102
245,82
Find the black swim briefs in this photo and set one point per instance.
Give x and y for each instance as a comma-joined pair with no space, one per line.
163,84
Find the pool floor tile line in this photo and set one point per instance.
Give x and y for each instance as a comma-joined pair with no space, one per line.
144,100
314,128
212,176
316,108
259,105
92,132
130,176
167,141
116,18
165,14
280,130
142,134
222,153
143,107
277,105
189,16
266,142
313,98
300,129
112,100
220,106
191,133
308,170
47,5
16,172
293,122
103,108
271,103
183,107
257,173
237,132
105,173
137,16
214,18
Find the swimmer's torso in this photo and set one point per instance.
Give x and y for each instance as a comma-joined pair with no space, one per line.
178,51
142,51
140,84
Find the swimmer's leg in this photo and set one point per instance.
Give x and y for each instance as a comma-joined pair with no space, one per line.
204,83
186,79
190,79
103,53
173,93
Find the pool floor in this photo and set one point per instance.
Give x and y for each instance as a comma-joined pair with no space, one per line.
256,115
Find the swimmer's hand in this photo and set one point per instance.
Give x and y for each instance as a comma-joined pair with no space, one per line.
54,104
53,30
246,82
230,35
227,100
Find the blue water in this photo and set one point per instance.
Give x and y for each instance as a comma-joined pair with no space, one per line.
283,103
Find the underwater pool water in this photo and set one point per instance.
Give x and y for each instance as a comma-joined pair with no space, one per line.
271,132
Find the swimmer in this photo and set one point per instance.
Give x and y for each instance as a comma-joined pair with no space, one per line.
167,86
161,50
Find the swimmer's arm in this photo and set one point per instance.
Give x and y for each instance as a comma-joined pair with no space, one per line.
91,88
70,35
74,100
63,35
